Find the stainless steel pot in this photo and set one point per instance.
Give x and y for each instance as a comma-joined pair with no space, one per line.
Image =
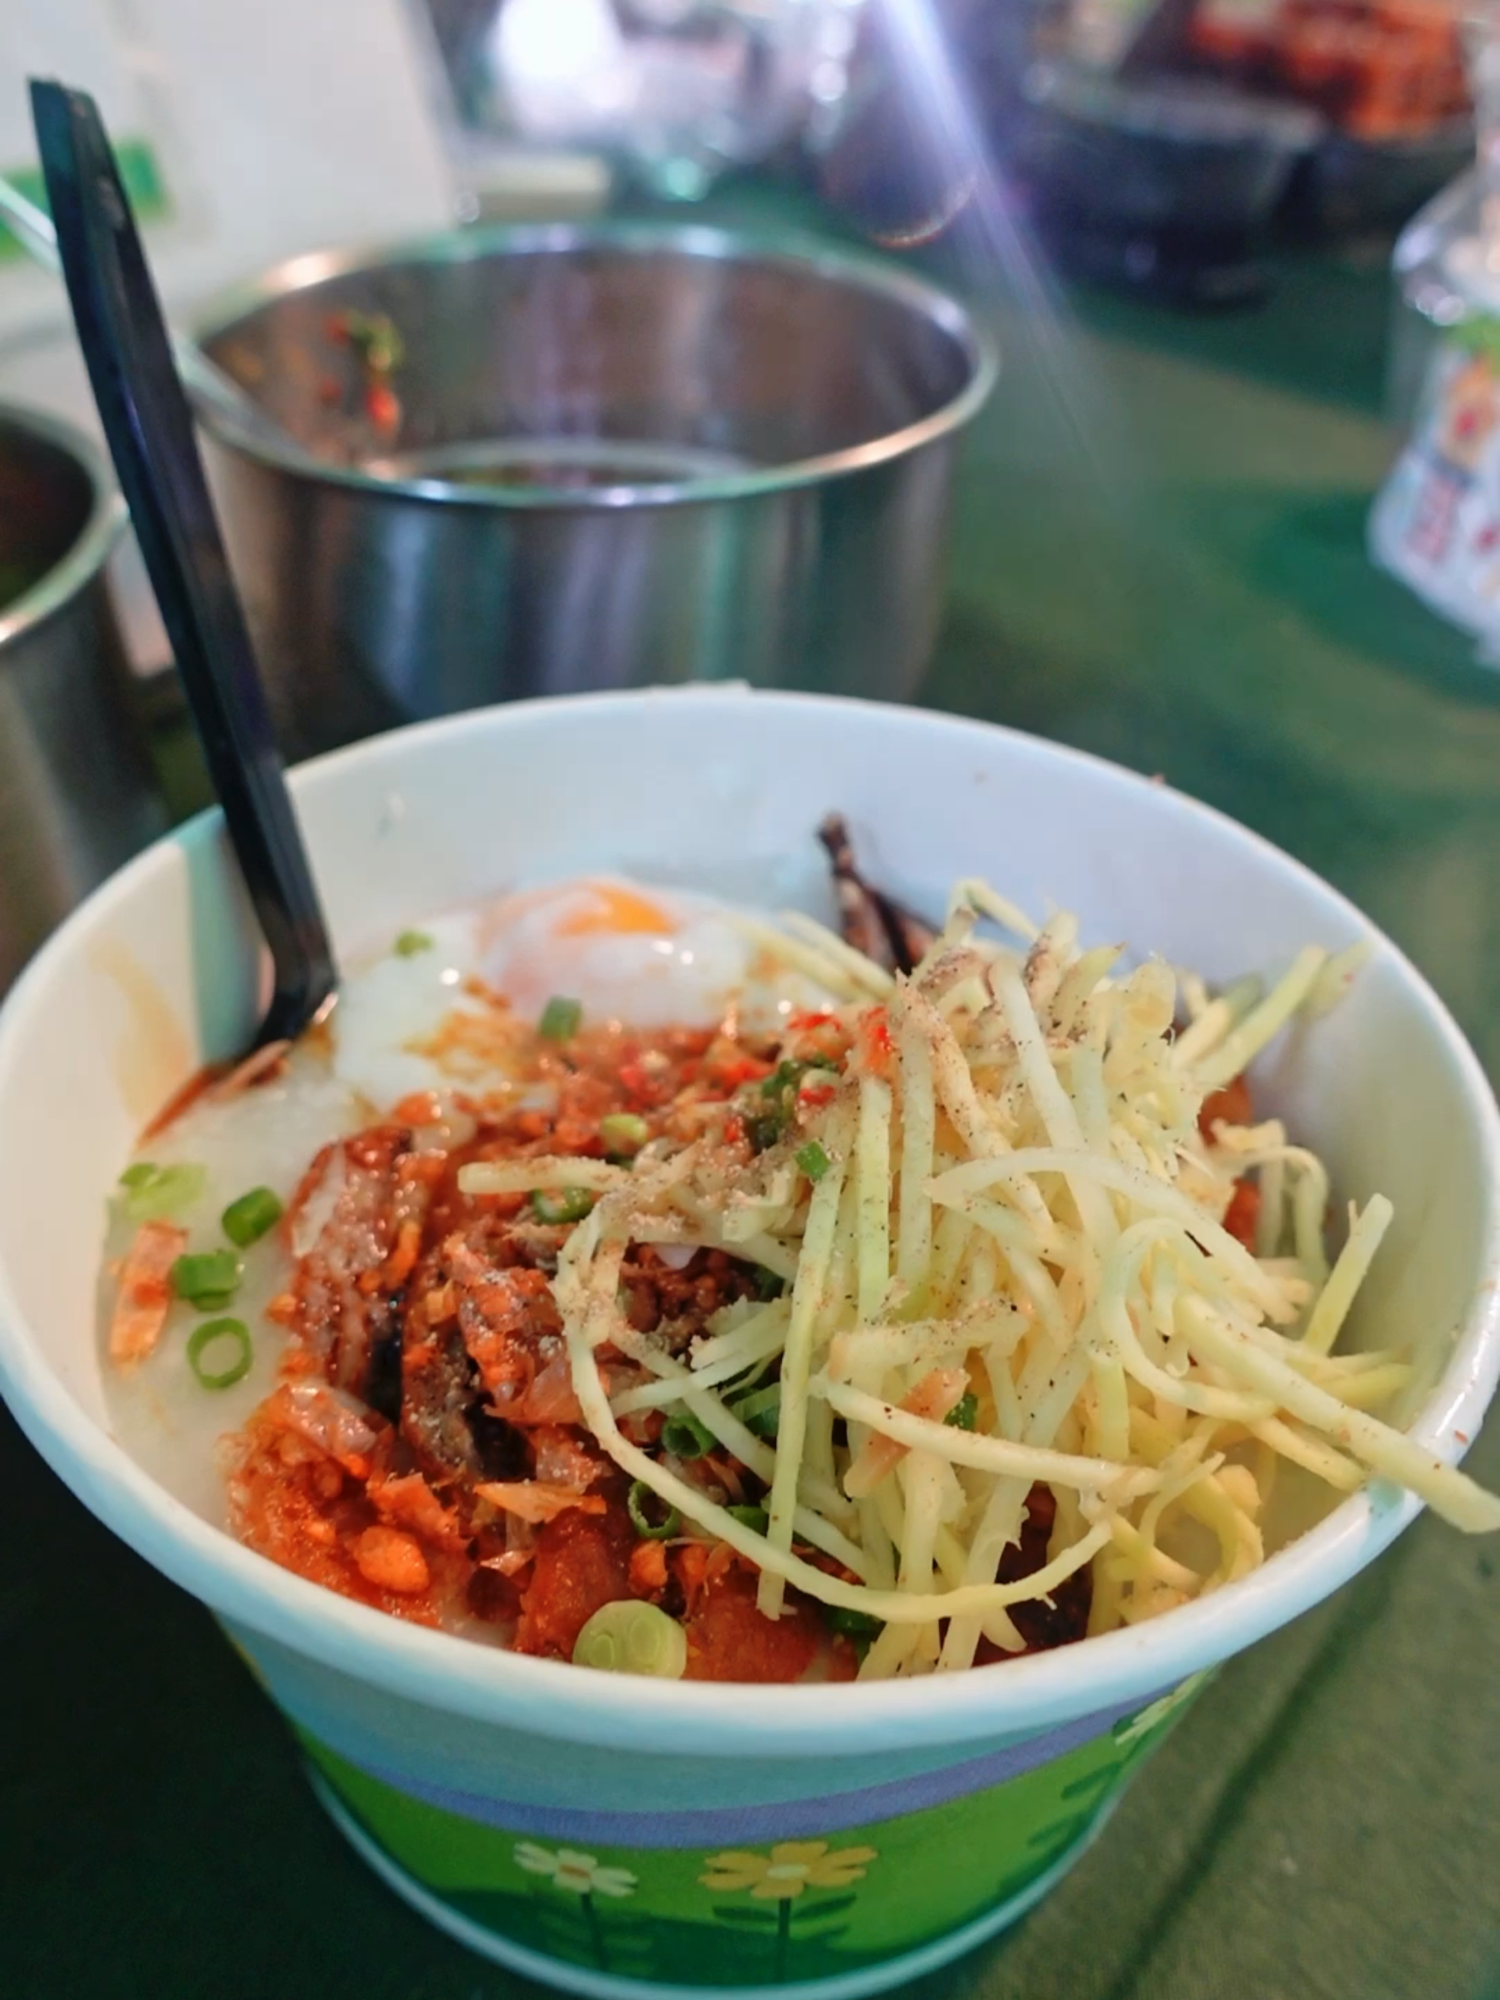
626,453
77,795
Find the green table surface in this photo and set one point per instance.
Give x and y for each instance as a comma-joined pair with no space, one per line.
1177,581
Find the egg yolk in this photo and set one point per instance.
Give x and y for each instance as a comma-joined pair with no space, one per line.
619,912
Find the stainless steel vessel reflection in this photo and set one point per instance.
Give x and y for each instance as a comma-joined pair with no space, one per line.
626,453
77,795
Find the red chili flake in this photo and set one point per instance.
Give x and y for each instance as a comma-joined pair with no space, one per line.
731,1071
1229,1106
877,1052
1240,1216
383,408
816,1017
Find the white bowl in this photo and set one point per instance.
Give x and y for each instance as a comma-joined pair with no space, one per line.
156,974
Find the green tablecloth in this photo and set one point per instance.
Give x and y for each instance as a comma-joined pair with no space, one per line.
1180,585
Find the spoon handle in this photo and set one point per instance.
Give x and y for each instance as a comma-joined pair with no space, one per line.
150,432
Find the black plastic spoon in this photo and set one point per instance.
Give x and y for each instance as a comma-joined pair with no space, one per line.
150,432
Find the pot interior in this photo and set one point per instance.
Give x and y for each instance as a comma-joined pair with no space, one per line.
46,499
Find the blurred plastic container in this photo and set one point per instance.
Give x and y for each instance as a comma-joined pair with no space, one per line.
1426,301
1165,183
1436,521
1441,254
668,93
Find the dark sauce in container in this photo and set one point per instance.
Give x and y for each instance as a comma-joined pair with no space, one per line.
563,464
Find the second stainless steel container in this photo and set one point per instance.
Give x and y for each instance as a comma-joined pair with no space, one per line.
625,453
77,794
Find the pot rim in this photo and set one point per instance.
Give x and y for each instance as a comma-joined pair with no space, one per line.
58,586
857,270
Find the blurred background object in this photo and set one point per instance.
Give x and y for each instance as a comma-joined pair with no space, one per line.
1429,296
251,133
1168,149
1168,142
1166,184
1436,522
1446,261
665,94
1157,144
1377,69
607,454
247,136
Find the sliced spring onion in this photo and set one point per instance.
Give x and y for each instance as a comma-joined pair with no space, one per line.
768,1285
409,943
560,1019
249,1217
781,1078
813,1160
376,338
207,1279
152,1192
852,1624
229,1335
685,1437
561,1204
965,1412
787,1075
764,1128
641,1504
760,1413
630,1637
624,1131
756,1519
